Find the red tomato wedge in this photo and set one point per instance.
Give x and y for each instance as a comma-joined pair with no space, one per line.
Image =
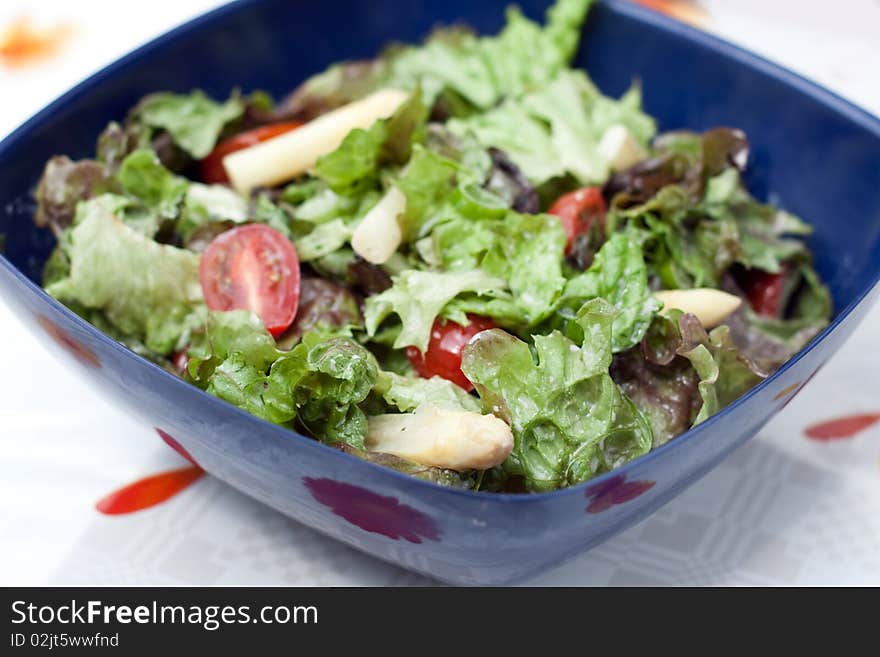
577,211
764,291
443,356
212,170
256,268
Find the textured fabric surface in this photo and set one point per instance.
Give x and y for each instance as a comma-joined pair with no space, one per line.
784,509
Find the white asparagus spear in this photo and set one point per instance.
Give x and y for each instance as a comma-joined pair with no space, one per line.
458,440
377,236
292,153
709,305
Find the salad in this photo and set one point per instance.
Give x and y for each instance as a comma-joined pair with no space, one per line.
459,259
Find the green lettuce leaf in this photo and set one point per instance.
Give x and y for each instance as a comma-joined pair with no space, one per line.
323,239
355,165
523,250
618,275
321,383
234,332
446,180
527,253
239,382
406,393
768,237
315,204
556,129
193,120
418,297
694,217
206,206
456,70
57,266
724,372
143,177
683,247
160,201
483,70
264,211
322,220
230,359
317,386
813,300
460,226
427,183
570,420
146,290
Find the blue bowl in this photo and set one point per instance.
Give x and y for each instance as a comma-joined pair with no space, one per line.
814,154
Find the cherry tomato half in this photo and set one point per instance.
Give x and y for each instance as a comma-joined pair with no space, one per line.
256,268
577,211
212,170
443,356
764,291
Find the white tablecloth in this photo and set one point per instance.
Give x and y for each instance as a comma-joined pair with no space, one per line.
781,510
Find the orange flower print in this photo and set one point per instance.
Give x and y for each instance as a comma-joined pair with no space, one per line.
23,43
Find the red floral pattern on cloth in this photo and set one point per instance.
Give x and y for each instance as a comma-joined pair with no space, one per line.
371,512
616,490
842,427
149,491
